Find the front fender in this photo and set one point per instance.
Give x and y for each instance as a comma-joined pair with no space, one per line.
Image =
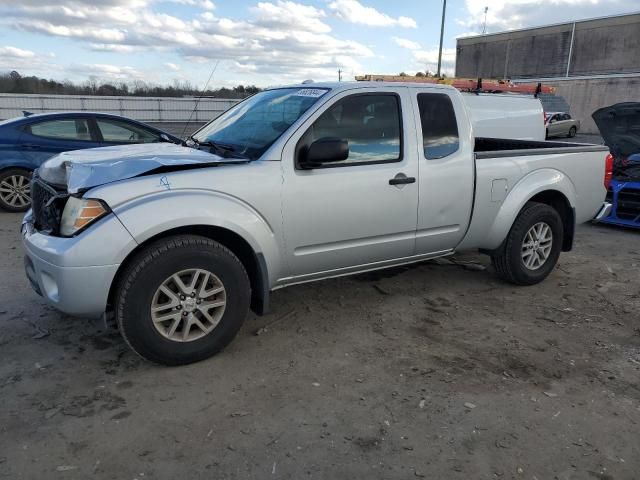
150,215
530,185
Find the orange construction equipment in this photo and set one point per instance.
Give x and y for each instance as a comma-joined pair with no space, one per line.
465,84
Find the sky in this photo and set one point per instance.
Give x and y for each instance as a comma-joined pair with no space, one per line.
271,42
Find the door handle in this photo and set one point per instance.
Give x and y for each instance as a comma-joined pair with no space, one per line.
401,179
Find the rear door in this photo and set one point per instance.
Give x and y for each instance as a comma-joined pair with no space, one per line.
343,215
446,171
45,138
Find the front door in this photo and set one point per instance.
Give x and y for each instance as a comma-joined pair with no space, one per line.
342,215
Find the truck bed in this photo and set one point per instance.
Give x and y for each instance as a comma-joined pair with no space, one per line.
508,171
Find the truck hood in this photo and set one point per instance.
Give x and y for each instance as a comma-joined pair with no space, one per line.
82,169
619,126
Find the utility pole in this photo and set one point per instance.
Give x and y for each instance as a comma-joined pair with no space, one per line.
444,9
484,25
339,75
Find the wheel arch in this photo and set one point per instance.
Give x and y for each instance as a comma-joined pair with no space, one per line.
20,165
253,262
559,202
549,186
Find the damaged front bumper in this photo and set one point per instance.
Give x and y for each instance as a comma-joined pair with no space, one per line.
75,274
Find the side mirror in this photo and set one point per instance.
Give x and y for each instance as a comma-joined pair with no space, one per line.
325,150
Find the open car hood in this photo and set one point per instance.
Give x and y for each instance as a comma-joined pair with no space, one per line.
82,169
619,126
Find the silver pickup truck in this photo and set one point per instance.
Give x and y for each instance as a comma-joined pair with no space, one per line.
292,185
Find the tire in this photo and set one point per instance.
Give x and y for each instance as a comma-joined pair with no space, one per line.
572,132
509,260
546,134
15,190
139,289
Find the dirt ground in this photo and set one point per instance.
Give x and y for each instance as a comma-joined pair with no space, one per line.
437,371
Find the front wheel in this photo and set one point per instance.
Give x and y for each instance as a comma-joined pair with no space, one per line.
182,299
531,250
15,190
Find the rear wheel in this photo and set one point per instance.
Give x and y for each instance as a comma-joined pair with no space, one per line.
182,300
15,190
546,134
531,250
572,132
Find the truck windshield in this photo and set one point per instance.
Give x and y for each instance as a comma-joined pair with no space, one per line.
249,128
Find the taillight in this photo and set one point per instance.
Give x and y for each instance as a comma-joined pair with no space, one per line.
608,171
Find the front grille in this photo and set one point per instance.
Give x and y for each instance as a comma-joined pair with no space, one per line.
47,204
628,206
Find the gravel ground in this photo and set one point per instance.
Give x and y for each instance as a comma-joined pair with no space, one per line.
436,371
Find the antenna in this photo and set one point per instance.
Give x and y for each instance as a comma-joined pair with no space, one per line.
198,98
484,26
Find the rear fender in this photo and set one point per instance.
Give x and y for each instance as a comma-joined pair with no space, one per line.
546,179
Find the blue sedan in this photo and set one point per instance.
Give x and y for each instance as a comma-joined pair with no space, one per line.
26,142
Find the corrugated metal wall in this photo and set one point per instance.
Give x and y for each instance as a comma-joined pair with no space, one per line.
601,46
145,109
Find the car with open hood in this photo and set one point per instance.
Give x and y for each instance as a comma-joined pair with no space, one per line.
619,126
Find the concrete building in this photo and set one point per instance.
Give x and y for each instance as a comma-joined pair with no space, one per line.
592,63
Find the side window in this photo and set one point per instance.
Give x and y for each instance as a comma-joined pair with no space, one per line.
62,129
370,124
122,132
439,126
566,116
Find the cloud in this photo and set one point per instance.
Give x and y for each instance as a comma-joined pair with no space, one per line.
13,58
113,47
353,11
513,14
15,52
286,14
405,43
282,38
106,71
427,58
204,4
172,66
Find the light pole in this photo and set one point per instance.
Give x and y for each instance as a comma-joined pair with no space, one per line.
444,9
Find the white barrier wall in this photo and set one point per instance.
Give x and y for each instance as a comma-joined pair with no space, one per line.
145,109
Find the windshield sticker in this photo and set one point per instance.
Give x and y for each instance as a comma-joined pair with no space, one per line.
310,92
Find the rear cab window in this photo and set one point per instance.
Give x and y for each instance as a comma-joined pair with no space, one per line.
440,137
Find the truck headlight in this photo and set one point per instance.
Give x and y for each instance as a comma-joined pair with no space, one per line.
79,213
